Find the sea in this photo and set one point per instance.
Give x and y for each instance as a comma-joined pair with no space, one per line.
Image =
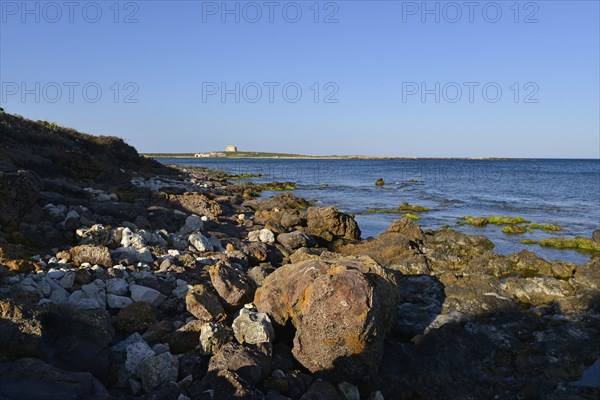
562,192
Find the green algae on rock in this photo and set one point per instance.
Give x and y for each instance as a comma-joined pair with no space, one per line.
401,209
414,217
379,182
547,227
494,220
412,207
514,229
250,190
576,243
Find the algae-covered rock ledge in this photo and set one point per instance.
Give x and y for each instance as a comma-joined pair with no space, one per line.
122,278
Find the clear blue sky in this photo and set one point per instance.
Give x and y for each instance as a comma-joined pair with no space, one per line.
376,56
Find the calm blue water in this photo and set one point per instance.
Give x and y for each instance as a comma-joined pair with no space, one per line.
562,192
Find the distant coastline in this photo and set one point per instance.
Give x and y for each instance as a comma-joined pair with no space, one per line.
267,155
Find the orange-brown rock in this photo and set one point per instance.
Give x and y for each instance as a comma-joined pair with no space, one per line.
198,204
341,308
203,304
233,285
21,266
328,224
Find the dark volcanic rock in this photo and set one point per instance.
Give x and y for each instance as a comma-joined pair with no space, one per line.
33,379
321,390
20,329
19,191
252,363
78,340
136,317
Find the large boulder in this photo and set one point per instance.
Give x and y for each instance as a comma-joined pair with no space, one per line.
397,248
328,224
341,308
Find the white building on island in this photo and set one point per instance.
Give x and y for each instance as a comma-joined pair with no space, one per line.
217,154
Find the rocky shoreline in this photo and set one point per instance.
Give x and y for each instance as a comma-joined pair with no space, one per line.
122,278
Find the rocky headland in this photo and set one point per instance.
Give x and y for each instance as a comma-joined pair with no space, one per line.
122,278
